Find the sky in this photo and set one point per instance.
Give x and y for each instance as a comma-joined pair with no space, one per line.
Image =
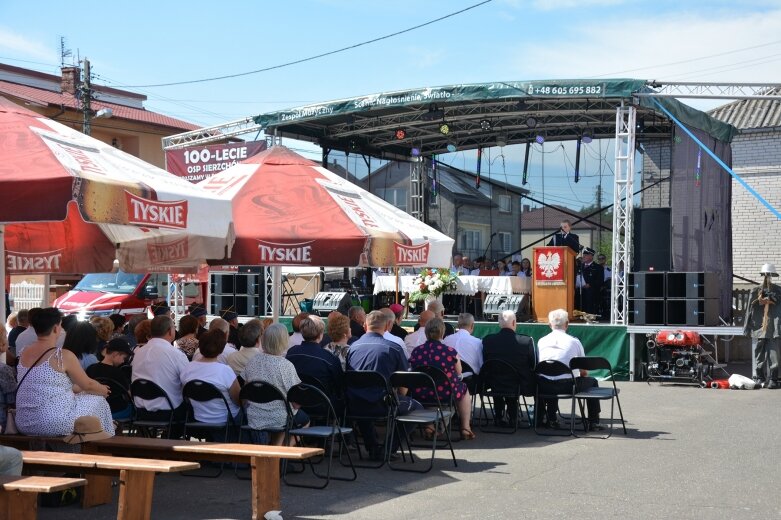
133,45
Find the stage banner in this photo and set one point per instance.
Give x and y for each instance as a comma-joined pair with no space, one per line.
201,162
549,266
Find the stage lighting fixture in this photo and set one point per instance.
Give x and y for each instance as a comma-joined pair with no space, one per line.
451,147
526,165
415,152
400,134
577,160
539,138
501,140
531,122
485,124
587,136
433,114
444,129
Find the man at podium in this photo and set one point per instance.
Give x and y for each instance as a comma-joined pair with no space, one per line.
564,237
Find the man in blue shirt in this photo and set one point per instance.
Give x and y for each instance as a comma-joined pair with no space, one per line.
375,353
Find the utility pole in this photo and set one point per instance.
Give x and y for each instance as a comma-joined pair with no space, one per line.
85,90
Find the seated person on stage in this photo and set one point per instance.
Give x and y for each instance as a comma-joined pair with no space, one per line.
162,363
249,339
518,351
417,338
391,317
565,237
373,352
272,367
210,370
560,346
398,314
310,359
187,342
469,348
221,325
434,353
357,320
526,268
115,354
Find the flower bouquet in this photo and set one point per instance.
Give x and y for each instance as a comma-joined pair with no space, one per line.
432,283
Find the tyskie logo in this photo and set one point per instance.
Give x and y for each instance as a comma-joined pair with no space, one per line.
155,213
411,255
33,262
274,253
168,252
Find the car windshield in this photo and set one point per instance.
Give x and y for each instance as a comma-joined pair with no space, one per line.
119,282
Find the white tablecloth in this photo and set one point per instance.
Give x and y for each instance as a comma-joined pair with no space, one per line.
467,285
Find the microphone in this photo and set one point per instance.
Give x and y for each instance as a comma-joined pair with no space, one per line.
493,235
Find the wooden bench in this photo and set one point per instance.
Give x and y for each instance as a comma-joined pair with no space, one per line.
136,477
19,495
263,460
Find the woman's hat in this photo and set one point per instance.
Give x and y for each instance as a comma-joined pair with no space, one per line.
87,428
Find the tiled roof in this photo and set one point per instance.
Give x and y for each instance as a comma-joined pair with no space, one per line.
751,113
47,97
550,217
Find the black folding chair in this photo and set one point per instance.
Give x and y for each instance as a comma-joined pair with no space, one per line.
493,371
311,397
600,394
433,417
203,391
149,390
553,368
440,380
373,382
118,389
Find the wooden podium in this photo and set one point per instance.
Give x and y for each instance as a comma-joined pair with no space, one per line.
553,281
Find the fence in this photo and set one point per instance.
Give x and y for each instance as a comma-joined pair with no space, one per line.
26,295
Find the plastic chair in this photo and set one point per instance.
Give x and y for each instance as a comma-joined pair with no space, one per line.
311,397
367,380
492,371
149,390
600,394
553,368
203,391
433,417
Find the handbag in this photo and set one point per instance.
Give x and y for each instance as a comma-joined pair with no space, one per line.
10,418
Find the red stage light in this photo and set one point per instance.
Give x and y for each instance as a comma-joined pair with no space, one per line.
401,134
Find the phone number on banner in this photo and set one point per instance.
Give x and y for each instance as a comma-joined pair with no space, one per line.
565,90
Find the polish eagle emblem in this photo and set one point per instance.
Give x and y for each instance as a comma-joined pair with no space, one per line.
549,264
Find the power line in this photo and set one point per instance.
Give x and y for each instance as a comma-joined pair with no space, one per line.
310,58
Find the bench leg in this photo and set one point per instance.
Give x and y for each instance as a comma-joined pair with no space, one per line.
265,486
97,491
18,505
135,495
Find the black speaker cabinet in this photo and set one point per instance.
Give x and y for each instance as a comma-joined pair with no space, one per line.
518,303
243,305
646,312
693,312
692,285
646,285
223,283
326,302
652,239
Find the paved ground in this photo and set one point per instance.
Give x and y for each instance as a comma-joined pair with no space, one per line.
690,453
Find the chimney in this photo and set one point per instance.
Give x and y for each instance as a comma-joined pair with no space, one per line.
71,77
527,208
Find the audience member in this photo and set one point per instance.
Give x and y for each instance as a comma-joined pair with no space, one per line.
53,389
233,322
7,380
469,348
296,338
339,334
161,308
115,354
119,322
210,370
69,321
434,353
222,325
439,311
518,351
29,336
198,311
560,346
312,360
105,329
398,312
417,338
10,461
357,320
162,363
82,340
249,339
143,332
187,342
22,322
391,317
130,333
271,367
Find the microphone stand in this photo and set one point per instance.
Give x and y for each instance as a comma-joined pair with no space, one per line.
489,244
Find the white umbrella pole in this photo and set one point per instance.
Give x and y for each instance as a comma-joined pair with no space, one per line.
2,272
276,285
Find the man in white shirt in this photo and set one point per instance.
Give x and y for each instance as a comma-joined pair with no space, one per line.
390,315
418,337
469,348
560,346
162,363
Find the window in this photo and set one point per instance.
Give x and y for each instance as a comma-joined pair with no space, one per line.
505,241
470,240
395,196
505,203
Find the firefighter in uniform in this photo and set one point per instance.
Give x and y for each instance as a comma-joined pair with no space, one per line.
763,323
588,283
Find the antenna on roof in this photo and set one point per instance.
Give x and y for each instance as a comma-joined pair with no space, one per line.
64,53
